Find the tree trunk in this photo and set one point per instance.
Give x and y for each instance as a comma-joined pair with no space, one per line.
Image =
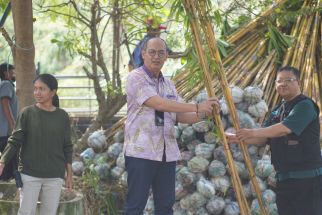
116,17
24,50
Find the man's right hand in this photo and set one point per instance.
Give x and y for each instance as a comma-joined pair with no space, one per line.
207,106
1,167
231,138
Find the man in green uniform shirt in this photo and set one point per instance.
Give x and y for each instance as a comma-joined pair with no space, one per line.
293,132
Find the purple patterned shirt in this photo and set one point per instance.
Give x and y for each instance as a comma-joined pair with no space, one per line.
143,138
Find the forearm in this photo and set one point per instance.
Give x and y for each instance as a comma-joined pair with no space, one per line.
8,153
276,130
69,170
13,145
255,141
166,105
233,138
189,118
69,177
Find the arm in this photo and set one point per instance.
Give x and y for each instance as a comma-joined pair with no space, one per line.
189,118
5,103
232,138
68,152
69,177
2,165
13,146
276,130
158,103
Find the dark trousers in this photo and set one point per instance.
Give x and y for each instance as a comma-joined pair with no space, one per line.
7,173
144,174
299,196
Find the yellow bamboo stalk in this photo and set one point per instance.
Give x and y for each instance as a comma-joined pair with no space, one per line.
194,92
294,34
254,23
297,34
211,41
247,73
259,75
109,133
241,46
299,50
205,67
243,57
267,83
310,57
250,77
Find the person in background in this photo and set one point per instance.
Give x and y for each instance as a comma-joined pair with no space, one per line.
8,113
42,132
293,132
153,30
150,145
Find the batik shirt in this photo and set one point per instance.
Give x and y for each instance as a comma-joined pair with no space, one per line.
143,138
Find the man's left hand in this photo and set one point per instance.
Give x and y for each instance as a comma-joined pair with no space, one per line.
215,104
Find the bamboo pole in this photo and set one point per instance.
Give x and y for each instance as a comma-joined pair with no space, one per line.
188,5
311,56
247,72
109,133
254,23
249,78
295,33
241,46
219,70
259,76
243,57
302,41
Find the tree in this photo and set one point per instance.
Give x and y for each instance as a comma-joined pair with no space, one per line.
23,50
94,27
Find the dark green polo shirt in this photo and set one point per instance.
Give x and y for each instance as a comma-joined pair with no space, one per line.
300,116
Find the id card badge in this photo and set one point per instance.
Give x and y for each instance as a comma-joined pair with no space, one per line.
159,118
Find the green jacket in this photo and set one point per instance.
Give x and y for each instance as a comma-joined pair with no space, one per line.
44,139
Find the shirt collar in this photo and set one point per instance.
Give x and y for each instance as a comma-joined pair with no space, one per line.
149,73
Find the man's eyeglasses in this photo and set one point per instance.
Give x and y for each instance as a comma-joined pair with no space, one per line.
285,81
152,52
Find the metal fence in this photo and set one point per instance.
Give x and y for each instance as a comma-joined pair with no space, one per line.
76,95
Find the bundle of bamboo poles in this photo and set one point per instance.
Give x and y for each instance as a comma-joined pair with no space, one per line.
260,20
219,71
249,62
306,52
236,182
